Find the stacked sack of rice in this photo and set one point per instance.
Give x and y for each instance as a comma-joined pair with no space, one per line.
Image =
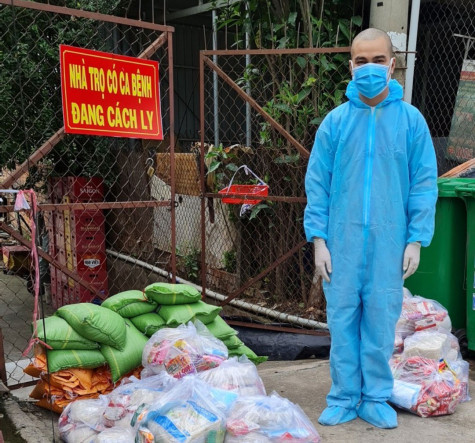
105,343
91,345
430,377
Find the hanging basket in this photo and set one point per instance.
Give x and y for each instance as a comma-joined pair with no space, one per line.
244,191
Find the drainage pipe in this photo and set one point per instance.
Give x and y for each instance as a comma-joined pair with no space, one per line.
217,296
215,79
411,48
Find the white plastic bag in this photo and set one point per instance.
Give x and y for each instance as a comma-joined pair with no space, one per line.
187,349
419,314
235,375
187,413
82,419
432,344
273,418
124,400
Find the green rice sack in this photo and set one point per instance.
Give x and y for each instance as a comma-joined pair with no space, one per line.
69,358
148,323
60,335
129,303
248,352
121,362
95,323
172,294
220,329
232,342
175,315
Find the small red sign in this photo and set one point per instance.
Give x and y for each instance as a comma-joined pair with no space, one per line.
109,94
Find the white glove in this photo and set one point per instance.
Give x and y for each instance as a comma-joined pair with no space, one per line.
412,257
323,260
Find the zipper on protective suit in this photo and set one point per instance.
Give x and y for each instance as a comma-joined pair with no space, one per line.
368,178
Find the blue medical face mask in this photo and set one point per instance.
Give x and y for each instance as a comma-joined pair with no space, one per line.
371,78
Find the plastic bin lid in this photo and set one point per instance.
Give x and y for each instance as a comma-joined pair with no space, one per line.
466,190
447,186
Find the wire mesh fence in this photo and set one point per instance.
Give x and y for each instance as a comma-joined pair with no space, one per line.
444,78
261,109
98,205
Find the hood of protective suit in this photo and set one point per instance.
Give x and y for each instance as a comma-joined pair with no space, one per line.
395,93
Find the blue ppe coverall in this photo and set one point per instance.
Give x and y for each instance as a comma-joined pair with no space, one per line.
371,188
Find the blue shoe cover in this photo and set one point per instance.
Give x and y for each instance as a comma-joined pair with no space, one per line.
378,414
336,415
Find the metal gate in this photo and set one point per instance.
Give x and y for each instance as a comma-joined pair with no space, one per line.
126,216
261,108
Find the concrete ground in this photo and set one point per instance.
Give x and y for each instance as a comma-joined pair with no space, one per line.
16,309
304,382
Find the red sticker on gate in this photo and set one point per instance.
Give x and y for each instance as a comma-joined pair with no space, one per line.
110,95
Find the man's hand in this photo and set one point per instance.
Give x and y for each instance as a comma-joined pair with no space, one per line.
323,260
412,256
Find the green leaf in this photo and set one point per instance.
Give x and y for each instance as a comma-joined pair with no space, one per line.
292,18
283,107
309,82
316,121
214,165
232,167
283,43
256,209
302,94
324,62
284,159
357,20
344,29
302,62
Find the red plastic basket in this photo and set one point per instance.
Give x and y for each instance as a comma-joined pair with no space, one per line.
244,191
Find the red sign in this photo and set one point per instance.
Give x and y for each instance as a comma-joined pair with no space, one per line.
109,95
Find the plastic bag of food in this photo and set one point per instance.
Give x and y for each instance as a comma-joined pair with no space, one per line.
269,419
125,399
432,344
235,375
187,349
187,413
428,387
419,314
82,419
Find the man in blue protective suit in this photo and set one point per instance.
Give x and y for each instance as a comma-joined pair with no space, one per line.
371,188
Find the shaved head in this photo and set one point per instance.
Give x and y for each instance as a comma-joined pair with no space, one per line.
373,34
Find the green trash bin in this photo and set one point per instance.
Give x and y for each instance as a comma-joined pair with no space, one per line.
441,273
467,192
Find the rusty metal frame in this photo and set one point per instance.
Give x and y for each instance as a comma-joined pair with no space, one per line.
46,7
274,198
94,206
206,60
